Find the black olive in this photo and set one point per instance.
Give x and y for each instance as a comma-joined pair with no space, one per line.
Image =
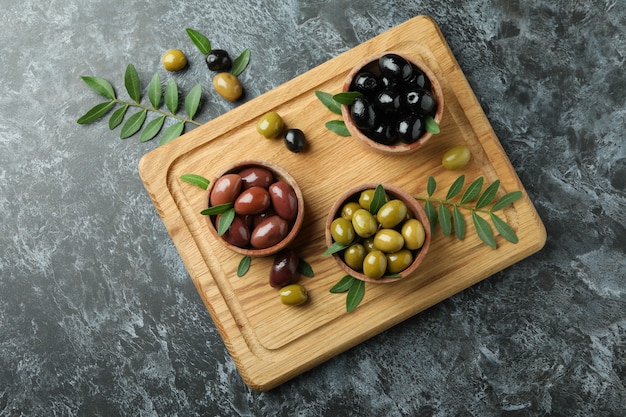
395,67
218,60
418,80
388,101
428,104
410,128
366,83
295,140
384,133
363,113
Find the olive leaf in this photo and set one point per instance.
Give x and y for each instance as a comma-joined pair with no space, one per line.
343,285
172,132
171,96
431,125
226,219
202,42
132,83
196,180
378,199
154,90
484,230
355,295
100,86
96,112
346,98
305,269
244,266
133,124
240,63
152,129
472,191
117,117
192,101
338,127
334,248
328,101
219,209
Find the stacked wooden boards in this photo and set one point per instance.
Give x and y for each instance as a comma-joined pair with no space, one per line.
270,342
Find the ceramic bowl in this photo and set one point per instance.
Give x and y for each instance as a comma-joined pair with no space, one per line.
294,226
370,63
394,193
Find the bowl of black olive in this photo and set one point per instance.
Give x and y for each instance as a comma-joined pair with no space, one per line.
400,103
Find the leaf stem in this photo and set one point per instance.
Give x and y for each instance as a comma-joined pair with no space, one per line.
451,203
155,110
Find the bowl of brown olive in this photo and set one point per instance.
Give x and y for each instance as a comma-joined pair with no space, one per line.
377,233
255,208
399,103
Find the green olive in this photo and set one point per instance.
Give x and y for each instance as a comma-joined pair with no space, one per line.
354,256
399,261
456,157
342,231
413,233
366,196
293,295
174,60
364,223
375,264
392,213
388,240
227,86
270,125
347,211
368,244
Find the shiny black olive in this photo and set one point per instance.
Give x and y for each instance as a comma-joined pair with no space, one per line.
395,67
418,80
384,133
218,60
295,140
363,113
427,104
366,83
409,129
388,101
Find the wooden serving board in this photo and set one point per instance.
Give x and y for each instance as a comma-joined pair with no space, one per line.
270,342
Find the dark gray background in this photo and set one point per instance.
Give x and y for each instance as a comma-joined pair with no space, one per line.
98,316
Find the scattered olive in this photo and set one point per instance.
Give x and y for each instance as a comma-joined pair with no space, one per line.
295,140
270,125
227,86
174,60
456,157
293,295
218,60
284,268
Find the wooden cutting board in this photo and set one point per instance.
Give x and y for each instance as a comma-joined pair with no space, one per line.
270,342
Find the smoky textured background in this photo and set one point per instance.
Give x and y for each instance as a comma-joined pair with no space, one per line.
98,316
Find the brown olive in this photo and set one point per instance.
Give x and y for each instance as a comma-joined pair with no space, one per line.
254,200
227,86
238,234
225,189
284,268
269,232
284,200
256,177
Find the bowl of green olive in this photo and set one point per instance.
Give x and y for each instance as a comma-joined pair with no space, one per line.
377,233
255,208
399,106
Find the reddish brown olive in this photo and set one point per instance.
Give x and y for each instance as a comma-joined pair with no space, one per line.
284,200
269,232
225,189
238,234
284,268
256,177
254,200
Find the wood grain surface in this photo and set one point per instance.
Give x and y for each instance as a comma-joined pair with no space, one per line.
270,342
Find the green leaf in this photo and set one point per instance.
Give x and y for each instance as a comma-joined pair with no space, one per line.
244,266
458,222
504,229
338,127
506,200
472,191
118,117
240,63
171,96
152,129
355,295
226,219
445,220
220,208
202,42
133,124
431,213
95,113
192,101
346,98
305,269
378,199
100,86
328,101
484,230
431,125
195,179
431,186
172,133
334,248
343,285
456,187
488,195
154,91
132,83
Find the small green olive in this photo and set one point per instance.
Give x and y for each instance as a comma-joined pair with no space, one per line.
368,244
388,240
399,261
366,196
174,60
456,157
354,256
342,231
413,233
392,213
375,264
270,125
364,223
293,295
348,209
227,86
